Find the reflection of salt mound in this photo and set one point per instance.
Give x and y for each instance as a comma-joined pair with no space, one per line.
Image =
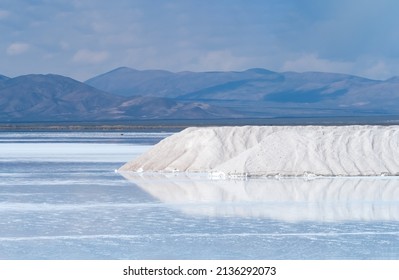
277,150
296,199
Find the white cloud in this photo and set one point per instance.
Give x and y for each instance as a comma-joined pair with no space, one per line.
311,62
222,60
100,26
64,45
4,14
17,48
90,57
378,70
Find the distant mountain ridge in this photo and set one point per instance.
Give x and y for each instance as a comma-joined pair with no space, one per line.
42,97
3,78
259,92
129,82
57,98
128,94
212,85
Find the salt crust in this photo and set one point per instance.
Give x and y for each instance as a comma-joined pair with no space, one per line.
276,151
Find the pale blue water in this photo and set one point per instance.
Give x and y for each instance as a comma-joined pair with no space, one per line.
61,199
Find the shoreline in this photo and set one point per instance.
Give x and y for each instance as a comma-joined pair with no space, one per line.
85,127
156,125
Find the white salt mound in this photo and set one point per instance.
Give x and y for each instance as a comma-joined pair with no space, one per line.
276,150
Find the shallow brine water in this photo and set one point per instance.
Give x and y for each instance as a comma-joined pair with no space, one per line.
60,198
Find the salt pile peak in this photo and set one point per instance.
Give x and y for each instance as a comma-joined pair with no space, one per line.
276,151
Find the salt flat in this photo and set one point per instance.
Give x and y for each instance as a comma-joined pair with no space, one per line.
276,151
66,202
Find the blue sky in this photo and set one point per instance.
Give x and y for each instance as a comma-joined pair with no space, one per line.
84,38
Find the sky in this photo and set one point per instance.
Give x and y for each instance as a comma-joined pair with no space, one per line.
85,38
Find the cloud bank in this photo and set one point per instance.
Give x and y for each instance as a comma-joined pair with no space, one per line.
17,48
354,37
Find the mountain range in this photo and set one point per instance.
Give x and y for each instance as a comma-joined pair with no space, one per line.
57,98
260,92
127,94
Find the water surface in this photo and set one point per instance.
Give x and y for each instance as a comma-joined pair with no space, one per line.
60,198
